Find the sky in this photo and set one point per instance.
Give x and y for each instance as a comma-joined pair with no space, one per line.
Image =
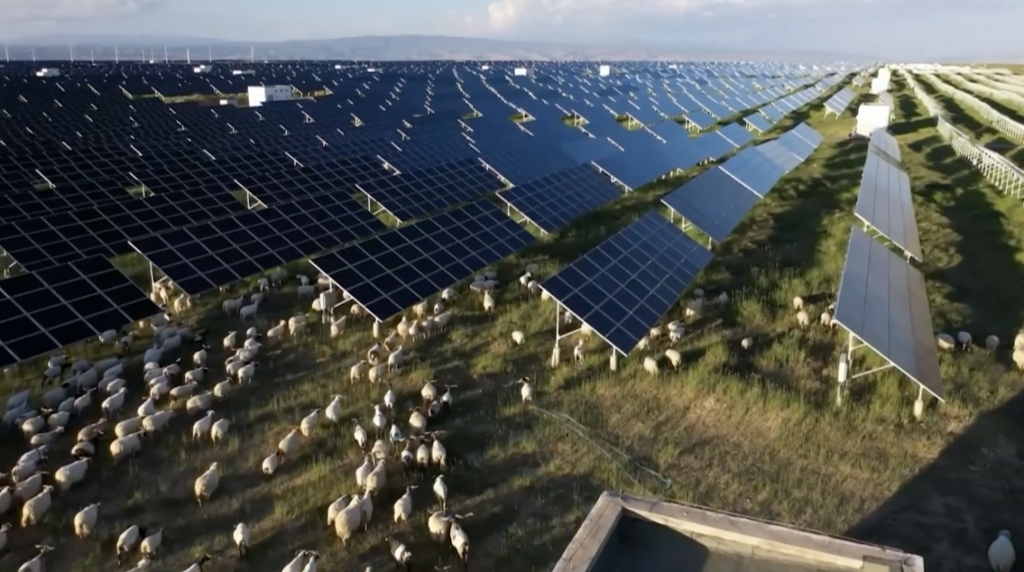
889,29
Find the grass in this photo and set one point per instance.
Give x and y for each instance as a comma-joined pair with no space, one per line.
751,432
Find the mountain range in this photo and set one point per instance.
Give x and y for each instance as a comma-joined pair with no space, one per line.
381,48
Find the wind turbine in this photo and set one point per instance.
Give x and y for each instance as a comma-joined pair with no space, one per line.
117,56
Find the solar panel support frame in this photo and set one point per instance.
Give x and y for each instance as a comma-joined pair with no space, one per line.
685,225
612,177
556,352
846,374
880,237
518,216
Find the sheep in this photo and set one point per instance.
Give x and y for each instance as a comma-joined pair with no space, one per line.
403,506
825,319
337,327
29,487
41,439
271,463
197,566
518,337
417,422
674,357
964,340
1001,554
379,419
651,365
33,425
526,391
439,523
53,398
441,491
366,509
360,435
347,521
248,311
694,308
222,389
219,430
85,520
129,445
488,303
148,407
247,372
376,480
111,386
945,342
35,508
207,483
577,352
441,320
182,391
399,553
232,305
127,540
378,372
798,303
289,445
395,359
448,294
296,324
199,403
230,340
747,343
439,455
114,403
150,545
35,564
23,471
241,537
992,343
460,542
83,450
357,371
309,423
533,287
420,309
676,334
69,474
1018,341
337,506
38,454
802,319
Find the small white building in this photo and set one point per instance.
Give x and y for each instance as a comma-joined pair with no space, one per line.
260,94
243,72
203,68
871,116
605,70
485,67
524,72
48,72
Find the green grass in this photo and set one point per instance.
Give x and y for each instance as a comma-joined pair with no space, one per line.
751,432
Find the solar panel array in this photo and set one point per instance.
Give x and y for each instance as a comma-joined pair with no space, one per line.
839,102
717,200
885,203
211,195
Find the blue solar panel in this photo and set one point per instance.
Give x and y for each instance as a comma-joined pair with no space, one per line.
714,202
796,145
552,202
735,134
807,133
526,164
628,282
755,170
419,193
388,273
635,167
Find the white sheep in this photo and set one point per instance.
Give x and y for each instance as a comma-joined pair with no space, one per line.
395,359
248,311
376,480
1001,554
357,371
439,524
992,343
207,483
460,542
337,326
289,445
297,324
488,303
403,506
674,357
348,520
114,403
29,487
241,537
308,424
128,445
651,365
219,431
85,520
1018,341
798,303
399,552
72,473
231,305
747,343
946,342
150,545
46,438
964,340
271,463
441,491
35,508
518,337
127,540
199,403
360,435
803,319
378,372
35,564
577,352
366,509
448,294
222,389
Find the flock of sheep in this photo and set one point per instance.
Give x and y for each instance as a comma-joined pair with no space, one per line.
94,396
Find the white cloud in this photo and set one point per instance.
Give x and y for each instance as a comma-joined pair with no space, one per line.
35,10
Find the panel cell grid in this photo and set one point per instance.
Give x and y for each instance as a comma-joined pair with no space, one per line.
388,273
66,304
713,202
626,284
886,204
413,195
882,300
552,202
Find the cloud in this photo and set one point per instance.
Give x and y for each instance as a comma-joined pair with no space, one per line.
49,10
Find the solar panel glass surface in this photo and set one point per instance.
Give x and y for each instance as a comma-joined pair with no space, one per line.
552,202
714,202
886,203
419,193
626,284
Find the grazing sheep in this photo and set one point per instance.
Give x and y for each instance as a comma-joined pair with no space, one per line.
992,343
201,428
747,343
271,463
964,340
85,520
825,319
150,545
376,480
441,491
333,410
518,337
29,487
360,435
207,484
199,403
460,542
248,312
577,352
1018,341
946,342
337,506
36,507
439,523
488,303
403,506
798,303
72,473
357,371
35,564
674,357
417,422
802,319
366,509
289,445
127,540
219,430
309,423
347,521
337,326
377,373
1001,554
526,391
651,365
241,537
128,426
126,446
401,554
395,359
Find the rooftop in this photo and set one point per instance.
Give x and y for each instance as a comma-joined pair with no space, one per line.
624,533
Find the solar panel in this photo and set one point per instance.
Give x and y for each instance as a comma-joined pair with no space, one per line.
754,169
525,164
882,141
413,195
625,285
552,202
388,273
714,202
736,134
66,304
202,257
807,133
885,202
796,145
882,301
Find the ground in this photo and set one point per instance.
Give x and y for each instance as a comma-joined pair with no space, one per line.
753,432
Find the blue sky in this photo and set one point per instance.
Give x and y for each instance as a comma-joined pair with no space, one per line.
899,29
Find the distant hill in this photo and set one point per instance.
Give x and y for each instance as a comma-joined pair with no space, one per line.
408,47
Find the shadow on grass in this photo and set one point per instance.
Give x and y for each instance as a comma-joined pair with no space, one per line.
952,510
